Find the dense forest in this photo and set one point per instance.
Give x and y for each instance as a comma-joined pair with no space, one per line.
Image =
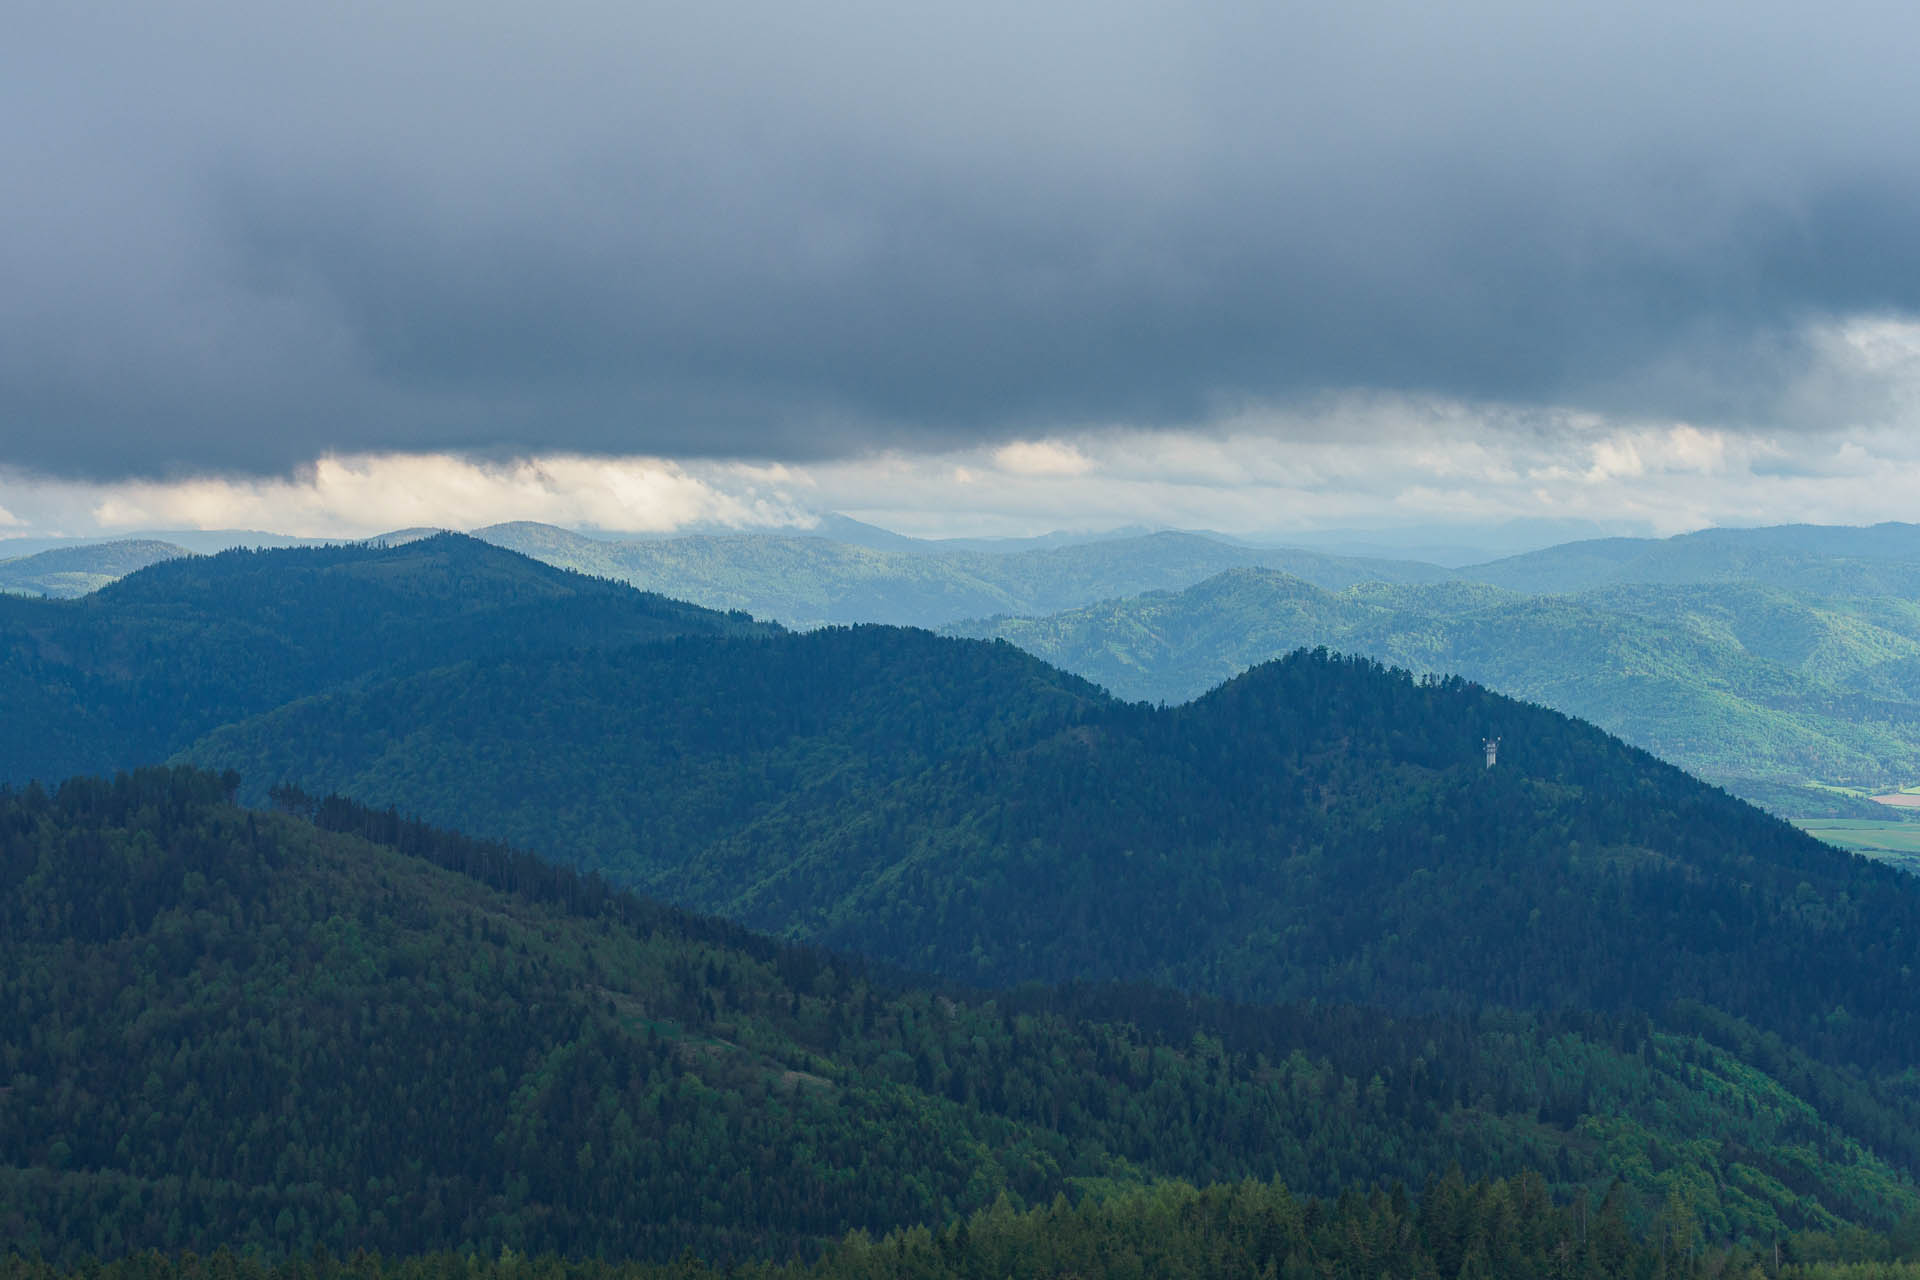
1320,827
1745,684
1503,1229
327,1026
132,673
1294,944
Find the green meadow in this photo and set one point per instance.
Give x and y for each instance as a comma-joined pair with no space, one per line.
1891,840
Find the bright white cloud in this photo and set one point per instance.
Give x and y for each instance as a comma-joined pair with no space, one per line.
1393,468
367,494
1367,461
1041,458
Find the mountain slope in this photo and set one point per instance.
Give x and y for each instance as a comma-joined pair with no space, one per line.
1318,828
1748,685
1877,560
66,572
138,669
254,1030
815,581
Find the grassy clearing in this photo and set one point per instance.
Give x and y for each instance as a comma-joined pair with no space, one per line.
1894,840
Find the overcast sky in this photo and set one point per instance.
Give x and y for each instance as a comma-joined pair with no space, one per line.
991,267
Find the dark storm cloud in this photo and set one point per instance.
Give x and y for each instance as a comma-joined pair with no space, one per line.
235,236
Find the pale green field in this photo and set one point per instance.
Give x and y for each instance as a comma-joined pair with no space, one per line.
1894,841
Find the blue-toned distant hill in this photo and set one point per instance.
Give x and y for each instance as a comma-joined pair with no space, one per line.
811,581
1749,685
140,668
1841,560
66,572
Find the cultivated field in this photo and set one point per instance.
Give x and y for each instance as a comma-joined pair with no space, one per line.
1895,841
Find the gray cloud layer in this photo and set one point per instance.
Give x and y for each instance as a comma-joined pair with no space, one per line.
236,235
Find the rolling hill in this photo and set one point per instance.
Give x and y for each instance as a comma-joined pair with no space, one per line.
812,581
66,572
1756,688
135,671
1843,560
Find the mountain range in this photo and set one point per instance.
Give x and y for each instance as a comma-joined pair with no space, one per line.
968,925
1760,689
1316,828
1777,661
815,581
1846,560
844,574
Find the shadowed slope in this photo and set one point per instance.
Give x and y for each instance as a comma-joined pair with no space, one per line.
1317,827
140,668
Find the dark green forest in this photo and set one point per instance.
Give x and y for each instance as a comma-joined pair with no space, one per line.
952,963
327,1026
1498,1229
1321,827
1763,690
132,673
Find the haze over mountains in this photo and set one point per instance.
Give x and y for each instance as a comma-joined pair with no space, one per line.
813,581
843,570
1844,560
66,572
1780,662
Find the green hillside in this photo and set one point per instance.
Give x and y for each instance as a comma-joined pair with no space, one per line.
1295,929
1754,687
279,1032
806,581
1317,828
135,671
66,572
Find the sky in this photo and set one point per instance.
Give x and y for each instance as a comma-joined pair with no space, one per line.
984,268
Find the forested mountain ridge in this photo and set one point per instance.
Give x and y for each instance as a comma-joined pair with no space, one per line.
847,572
1745,684
135,671
812,581
1317,828
333,1028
